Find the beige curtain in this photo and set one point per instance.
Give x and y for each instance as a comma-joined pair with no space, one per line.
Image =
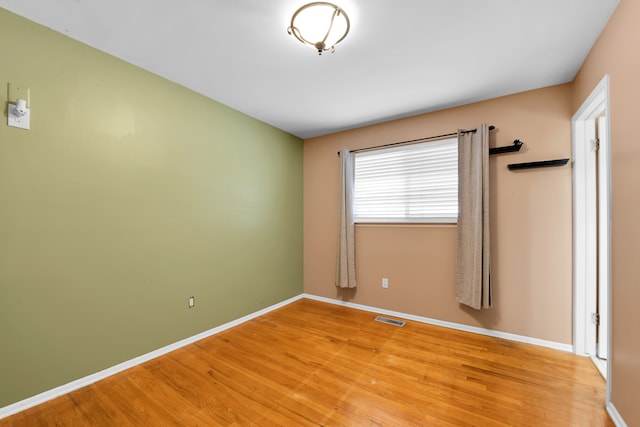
346,263
473,263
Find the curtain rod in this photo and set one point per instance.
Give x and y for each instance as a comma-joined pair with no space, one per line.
415,141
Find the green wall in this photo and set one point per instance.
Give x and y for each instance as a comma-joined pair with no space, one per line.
128,195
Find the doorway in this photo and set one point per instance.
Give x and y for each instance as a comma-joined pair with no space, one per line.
592,228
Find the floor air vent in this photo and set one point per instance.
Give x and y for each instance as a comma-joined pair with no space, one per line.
390,321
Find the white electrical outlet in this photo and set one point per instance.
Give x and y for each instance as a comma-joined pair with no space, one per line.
19,119
16,121
385,282
192,302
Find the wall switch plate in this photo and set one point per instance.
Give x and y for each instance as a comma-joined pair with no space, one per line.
192,302
385,282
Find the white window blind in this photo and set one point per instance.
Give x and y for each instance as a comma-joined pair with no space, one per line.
410,183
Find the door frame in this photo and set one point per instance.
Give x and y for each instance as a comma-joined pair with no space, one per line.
585,220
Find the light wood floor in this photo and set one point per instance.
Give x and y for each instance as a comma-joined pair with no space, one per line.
312,363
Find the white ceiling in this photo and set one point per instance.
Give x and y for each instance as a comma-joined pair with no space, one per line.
400,58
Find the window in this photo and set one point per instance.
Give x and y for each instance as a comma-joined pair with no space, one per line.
410,183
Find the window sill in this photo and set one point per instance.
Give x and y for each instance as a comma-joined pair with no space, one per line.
408,224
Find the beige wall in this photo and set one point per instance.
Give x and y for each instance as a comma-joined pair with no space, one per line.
616,54
531,223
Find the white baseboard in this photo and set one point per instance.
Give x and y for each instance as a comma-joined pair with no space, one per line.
615,415
32,401
600,365
512,337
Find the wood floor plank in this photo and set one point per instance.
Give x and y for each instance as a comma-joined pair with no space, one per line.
312,364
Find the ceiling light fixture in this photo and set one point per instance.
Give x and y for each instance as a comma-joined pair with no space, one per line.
321,25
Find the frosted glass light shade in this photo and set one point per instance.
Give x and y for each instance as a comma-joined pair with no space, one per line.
321,25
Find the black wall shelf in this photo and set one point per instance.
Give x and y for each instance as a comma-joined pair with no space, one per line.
517,144
541,164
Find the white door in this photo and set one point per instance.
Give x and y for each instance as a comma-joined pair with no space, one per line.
592,224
